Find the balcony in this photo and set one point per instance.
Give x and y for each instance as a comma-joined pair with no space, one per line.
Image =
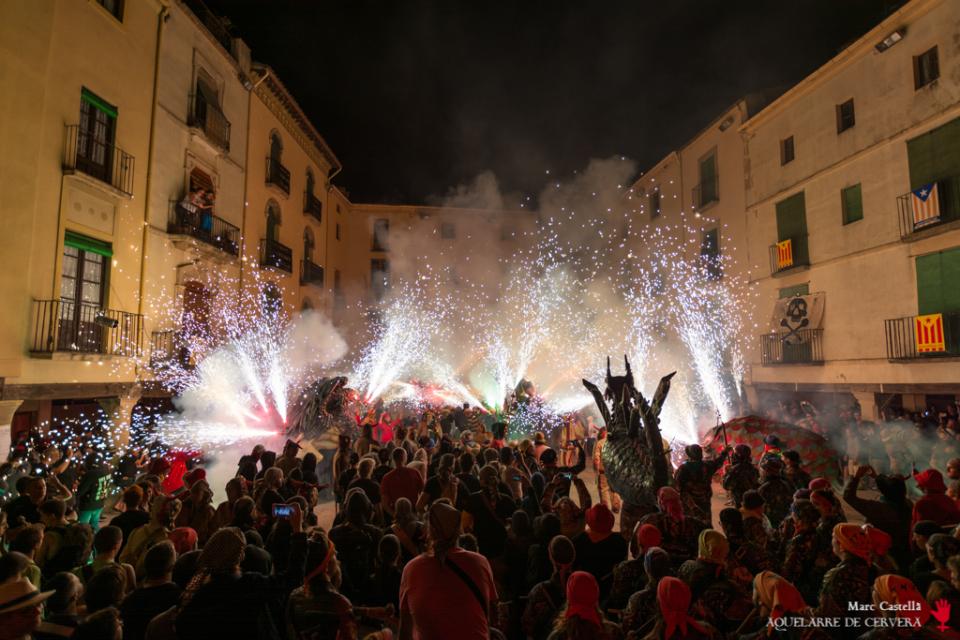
274,255
311,273
278,175
803,346
312,206
207,117
167,349
217,26
187,220
101,160
940,215
707,192
789,254
939,337
61,326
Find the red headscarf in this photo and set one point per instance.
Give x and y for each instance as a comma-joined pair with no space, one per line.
931,481
599,522
583,596
880,540
852,539
819,483
777,594
670,503
673,598
648,536
184,539
896,589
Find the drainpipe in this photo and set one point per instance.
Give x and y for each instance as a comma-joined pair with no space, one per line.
161,20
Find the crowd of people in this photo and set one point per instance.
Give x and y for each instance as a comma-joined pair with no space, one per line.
444,528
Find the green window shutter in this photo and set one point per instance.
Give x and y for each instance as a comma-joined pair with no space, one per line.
938,282
96,101
792,224
89,245
851,202
796,290
708,168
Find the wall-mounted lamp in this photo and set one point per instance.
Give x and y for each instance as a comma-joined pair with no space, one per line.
891,39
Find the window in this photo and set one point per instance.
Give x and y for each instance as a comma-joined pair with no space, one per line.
786,150
933,158
845,116
83,281
851,202
338,231
707,189
448,231
276,147
796,290
271,301
381,231
310,182
710,254
937,277
792,225
653,201
115,7
379,277
273,221
95,135
926,68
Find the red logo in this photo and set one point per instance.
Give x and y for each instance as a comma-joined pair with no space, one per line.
942,614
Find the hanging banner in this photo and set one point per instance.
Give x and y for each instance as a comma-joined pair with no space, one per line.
784,254
929,333
791,316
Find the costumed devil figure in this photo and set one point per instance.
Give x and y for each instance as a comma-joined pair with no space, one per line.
322,419
634,459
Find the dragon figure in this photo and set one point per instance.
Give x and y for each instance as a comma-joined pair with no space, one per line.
322,415
633,458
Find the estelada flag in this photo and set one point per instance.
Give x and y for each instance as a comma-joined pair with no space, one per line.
929,333
925,203
784,254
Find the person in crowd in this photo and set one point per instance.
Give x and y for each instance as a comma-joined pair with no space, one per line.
743,552
53,513
225,510
21,605
62,610
895,596
546,598
599,550
556,498
607,496
581,616
693,480
133,514
104,624
640,614
402,482
386,577
520,537
447,592
539,568
27,504
849,581
163,514
775,598
776,492
409,530
106,546
793,471
880,543
365,482
935,504
679,532
93,490
673,620
156,593
488,511
356,541
106,588
892,513
714,592
197,511
27,541
741,476
223,600
288,460
629,576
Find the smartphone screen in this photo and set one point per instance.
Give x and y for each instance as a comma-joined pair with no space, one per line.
282,510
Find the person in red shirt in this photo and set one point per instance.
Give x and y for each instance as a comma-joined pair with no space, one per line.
935,504
447,592
402,482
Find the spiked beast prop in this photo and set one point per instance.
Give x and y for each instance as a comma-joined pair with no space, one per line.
633,458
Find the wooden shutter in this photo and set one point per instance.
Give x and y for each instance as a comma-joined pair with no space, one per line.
792,224
937,278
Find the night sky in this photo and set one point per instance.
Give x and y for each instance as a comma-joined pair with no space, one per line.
416,96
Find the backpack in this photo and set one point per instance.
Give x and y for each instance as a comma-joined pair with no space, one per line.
74,547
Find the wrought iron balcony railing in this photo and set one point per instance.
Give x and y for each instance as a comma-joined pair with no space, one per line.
208,117
927,207
312,206
275,255
278,175
185,219
789,254
105,161
803,346
310,273
934,335
77,327
707,192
